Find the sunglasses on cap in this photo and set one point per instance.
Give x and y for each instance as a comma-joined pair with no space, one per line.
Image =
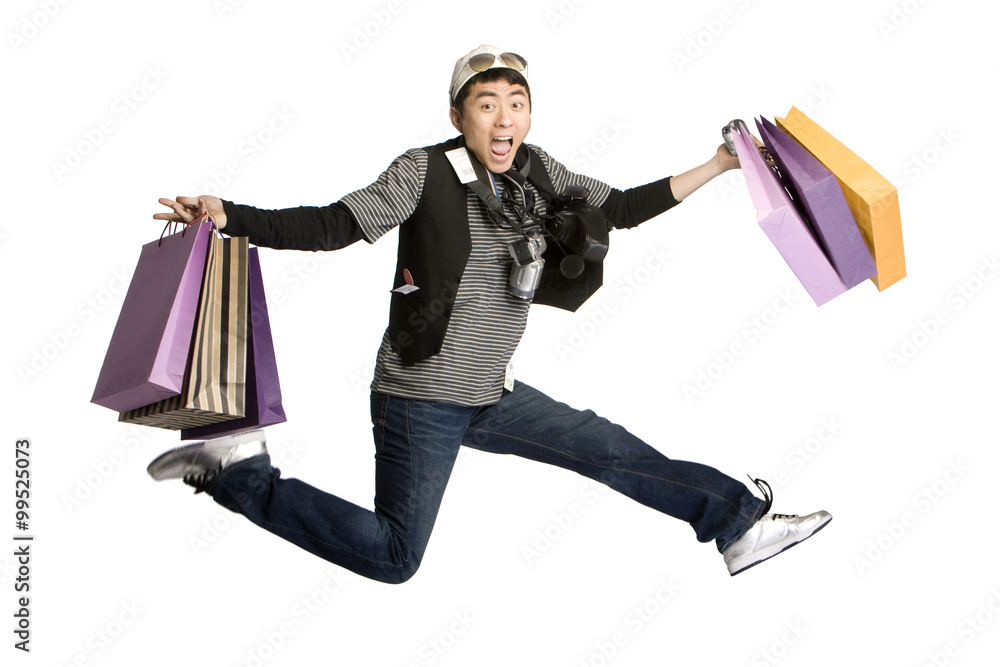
484,61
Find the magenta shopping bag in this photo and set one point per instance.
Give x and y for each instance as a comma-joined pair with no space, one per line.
789,233
817,192
263,397
149,348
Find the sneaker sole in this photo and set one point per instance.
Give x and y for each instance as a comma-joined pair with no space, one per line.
782,549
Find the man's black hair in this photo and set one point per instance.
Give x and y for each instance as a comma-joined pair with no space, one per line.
506,74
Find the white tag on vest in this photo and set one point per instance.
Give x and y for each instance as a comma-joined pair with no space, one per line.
460,161
508,380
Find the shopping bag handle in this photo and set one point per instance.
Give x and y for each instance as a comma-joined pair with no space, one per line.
201,218
740,126
768,196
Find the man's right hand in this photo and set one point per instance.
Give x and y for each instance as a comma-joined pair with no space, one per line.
186,209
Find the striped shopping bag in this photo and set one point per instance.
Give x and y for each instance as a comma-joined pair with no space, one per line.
216,374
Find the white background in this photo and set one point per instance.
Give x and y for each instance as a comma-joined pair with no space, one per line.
528,565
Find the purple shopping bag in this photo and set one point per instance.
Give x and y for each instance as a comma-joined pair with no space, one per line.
149,348
789,233
816,190
263,397
214,387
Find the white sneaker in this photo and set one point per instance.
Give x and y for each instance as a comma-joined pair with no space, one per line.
770,536
199,463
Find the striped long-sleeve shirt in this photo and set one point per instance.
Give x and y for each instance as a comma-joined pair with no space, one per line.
486,323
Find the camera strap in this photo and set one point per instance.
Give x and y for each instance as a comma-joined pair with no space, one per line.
483,188
471,172
518,180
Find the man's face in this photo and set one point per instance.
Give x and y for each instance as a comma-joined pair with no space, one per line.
495,120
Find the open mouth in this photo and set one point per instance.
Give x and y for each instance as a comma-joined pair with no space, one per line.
501,146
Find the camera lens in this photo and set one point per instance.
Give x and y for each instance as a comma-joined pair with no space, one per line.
571,266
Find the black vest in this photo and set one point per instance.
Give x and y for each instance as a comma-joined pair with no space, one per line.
434,245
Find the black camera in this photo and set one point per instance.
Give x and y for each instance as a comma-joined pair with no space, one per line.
580,229
577,232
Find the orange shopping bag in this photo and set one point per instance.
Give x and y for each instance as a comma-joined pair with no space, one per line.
873,200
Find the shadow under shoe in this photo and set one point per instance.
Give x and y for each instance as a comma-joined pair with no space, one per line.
198,464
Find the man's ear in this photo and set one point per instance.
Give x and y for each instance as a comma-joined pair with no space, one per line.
456,119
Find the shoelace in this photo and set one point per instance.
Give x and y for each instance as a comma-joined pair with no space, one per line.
201,480
765,490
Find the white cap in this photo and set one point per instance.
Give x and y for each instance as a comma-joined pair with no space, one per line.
465,70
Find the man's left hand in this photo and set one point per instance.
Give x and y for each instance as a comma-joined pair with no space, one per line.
726,160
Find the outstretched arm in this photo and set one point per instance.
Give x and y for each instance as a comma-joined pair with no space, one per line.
300,228
363,214
684,184
634,206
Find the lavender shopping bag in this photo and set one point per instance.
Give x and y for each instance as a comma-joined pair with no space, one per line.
149,348
789,233
818,193
263,402
215,380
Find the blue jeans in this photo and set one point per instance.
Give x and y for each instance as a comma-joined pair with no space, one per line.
416,443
